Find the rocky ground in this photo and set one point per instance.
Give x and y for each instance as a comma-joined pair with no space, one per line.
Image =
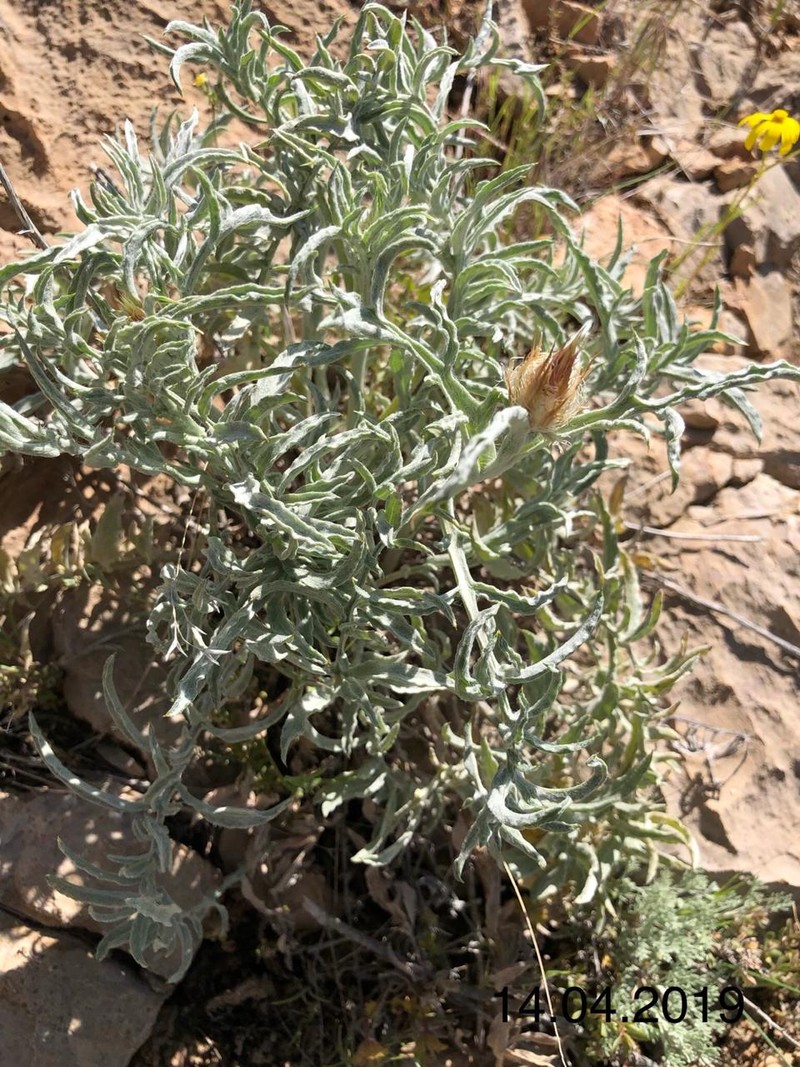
727,557
724,547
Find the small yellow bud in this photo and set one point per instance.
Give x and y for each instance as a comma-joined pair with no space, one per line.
548,385
201,80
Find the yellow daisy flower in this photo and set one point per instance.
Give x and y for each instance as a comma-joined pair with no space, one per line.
768,129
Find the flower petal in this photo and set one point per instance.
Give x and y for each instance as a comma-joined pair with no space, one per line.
790,135
751,139
772,134
754,120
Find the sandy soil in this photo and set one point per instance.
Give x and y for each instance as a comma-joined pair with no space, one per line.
71,72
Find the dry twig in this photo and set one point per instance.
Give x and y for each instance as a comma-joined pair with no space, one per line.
385,952
720,609
654,531
539,960
29,227
762,1015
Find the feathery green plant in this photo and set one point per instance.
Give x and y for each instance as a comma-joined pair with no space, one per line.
310,328
686,935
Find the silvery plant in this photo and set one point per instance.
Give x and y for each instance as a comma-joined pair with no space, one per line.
314,312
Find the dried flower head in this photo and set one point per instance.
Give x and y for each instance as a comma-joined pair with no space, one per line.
768,129
548,384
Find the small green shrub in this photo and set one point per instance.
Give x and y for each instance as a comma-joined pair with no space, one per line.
310,328
688,934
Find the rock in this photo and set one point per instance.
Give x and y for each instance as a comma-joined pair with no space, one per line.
593,70
630,158
514,33
89,624
745,470
773,78
784,467
698,415
745,683
33,493
765,299
748,228
729,322
777,403
731,456
728,143
742,745
29,828
677,103
696,162
643,235
770,222
47,139
707,471
119,760
59,1005
540,13
752,508
690,212
571,20
681,205
703,473
734,174
781,203
743,262
721,56
792,167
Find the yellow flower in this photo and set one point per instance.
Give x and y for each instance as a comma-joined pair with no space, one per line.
201,81
548,384
767,130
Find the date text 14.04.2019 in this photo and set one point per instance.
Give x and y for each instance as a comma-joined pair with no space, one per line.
673,1005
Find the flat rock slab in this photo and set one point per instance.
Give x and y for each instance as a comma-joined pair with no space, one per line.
60,1006
765,300
644,236
89,625
770,220
70,74
737,783
30,827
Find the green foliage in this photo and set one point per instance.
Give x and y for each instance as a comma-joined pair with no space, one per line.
682,931
309,329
